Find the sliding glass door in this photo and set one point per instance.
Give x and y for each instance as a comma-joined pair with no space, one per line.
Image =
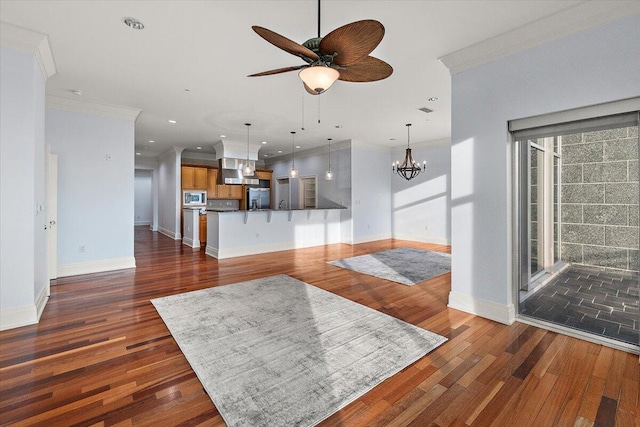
538,189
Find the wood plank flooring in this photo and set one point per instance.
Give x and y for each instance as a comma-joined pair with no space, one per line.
101,355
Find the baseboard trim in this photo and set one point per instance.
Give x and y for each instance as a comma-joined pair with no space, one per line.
18,316
191,243
169,233
367,239
97,266
488,309
422,239
41,301
137,223
211,251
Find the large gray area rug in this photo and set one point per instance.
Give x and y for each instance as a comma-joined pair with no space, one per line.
279,352
403,265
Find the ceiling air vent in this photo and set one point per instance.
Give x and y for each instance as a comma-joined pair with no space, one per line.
425,110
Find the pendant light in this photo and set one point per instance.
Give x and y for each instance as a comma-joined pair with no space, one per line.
408,169
247,170
293,173
328,176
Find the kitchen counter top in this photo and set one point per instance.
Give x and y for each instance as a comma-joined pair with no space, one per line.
280,210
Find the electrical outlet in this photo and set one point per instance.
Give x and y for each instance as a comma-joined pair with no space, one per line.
257,235
426,227
109,157
81,249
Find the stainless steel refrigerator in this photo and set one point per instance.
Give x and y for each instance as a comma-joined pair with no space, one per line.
258,198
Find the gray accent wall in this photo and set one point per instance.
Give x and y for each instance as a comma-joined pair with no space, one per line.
600,199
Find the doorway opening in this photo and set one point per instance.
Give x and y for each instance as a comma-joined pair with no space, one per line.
576,239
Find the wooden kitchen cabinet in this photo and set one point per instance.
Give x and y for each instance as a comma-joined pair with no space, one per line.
203,230
200,179
193,177
187,177
212,183
264,175
230,191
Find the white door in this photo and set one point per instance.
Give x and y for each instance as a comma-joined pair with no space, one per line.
52,216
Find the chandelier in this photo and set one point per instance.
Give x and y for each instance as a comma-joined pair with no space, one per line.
408,169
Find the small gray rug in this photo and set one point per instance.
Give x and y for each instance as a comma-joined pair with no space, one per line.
403,265
279,352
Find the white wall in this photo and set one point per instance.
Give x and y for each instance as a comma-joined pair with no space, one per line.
589,67
23,260
371,190
95,190
143,194
420,208
168,193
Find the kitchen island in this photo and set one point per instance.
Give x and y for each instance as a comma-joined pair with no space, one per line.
239,233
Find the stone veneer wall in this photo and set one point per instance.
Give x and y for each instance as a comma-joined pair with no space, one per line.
599,210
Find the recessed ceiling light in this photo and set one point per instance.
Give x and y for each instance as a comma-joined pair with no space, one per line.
263,142
198,148
77,92
297,146
279,151
138,154
133,23
223,136
151,141
432,99
338,126
172,122
266,155
187,90
392,139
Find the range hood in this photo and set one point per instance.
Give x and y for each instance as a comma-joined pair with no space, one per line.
230,171
232,157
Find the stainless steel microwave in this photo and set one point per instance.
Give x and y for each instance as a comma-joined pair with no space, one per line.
194,198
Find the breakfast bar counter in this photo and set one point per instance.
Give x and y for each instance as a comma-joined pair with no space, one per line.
239,233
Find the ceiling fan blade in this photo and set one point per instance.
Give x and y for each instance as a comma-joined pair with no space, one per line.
285,44
309,90
353,41
368,69
277,71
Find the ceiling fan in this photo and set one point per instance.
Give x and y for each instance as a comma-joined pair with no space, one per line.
343,54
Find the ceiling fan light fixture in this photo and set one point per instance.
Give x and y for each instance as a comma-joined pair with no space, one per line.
319,77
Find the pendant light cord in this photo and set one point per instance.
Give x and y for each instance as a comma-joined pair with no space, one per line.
318,18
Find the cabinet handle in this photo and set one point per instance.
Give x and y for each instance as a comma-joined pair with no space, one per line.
52,222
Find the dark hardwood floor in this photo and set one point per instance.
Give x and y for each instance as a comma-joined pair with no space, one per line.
102,356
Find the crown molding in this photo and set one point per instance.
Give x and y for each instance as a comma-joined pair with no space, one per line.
582,17
18,38
95,108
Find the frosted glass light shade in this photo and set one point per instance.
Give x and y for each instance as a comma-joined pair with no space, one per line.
319,78
293,173
328,176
